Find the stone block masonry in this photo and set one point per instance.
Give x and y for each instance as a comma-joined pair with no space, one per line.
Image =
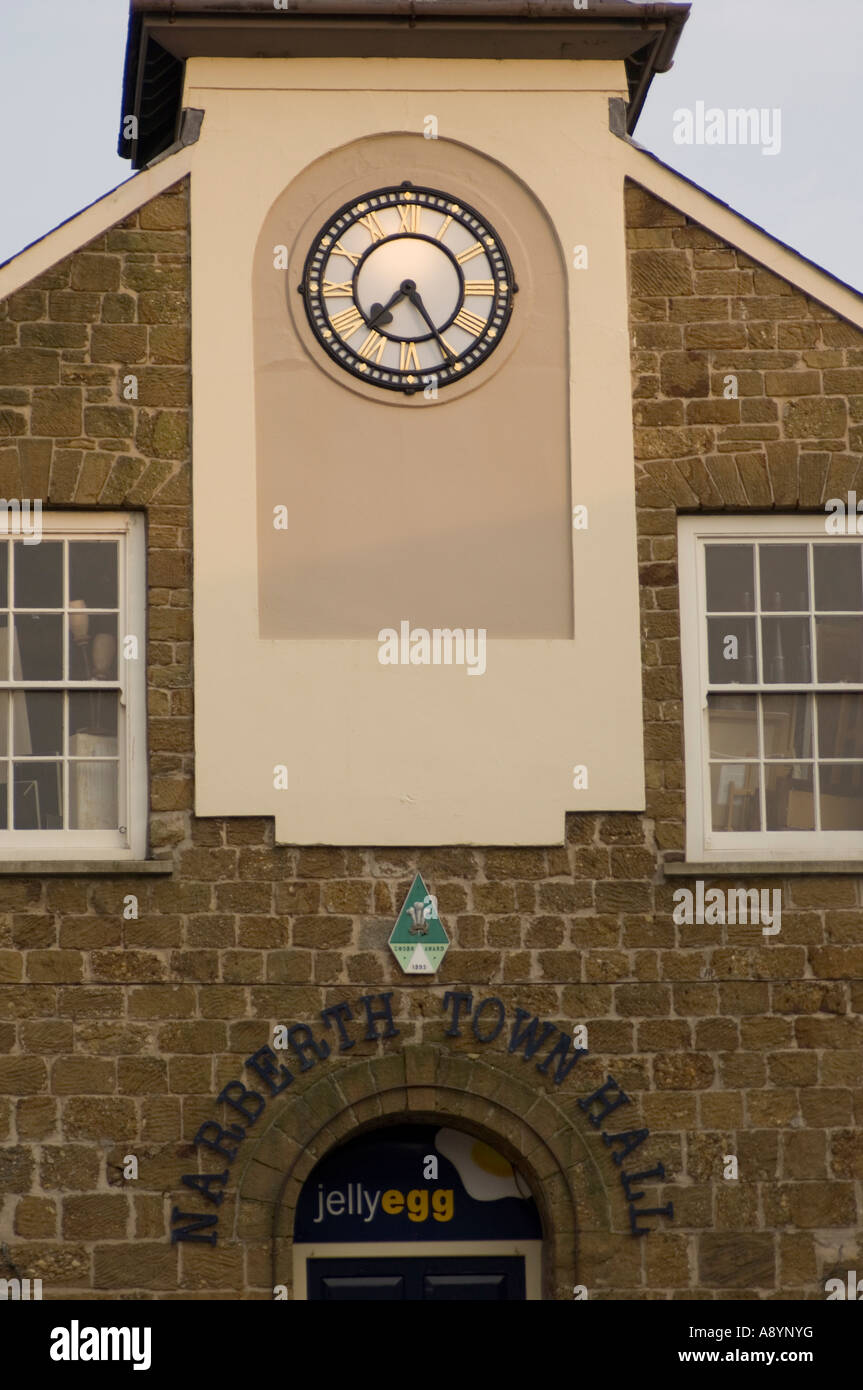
116,1035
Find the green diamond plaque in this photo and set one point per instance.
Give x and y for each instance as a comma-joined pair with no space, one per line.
418,940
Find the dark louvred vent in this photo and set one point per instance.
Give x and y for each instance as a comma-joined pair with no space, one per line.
157,105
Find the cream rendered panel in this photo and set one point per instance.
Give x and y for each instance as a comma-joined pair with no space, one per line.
411,755
453,513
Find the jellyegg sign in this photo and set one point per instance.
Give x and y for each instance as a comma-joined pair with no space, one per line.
416,1183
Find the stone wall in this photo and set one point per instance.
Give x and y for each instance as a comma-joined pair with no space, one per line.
777,1064
116,1035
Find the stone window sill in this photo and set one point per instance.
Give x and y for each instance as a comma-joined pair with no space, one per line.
75,868
757,868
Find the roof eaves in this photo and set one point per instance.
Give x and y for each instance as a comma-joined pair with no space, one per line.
91,221
144,53
756,241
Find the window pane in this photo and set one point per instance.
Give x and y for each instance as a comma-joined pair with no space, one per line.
39,574
733,721
60,748
840,649
93,712
840,726
789,796
39,654
838,577
93,573
37,722
730,578
784,578
38,799
841,796
731,662
93,796
735,796
785,651
92,646
787,726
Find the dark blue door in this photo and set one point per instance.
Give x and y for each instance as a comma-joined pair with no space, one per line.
484,1278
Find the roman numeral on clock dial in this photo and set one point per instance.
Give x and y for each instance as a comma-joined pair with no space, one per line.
338,289
408,360
347,322
373,346
485,287
410,217
373,226
470,252
469,322
339,250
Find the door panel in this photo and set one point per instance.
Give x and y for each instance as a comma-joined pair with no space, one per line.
464,1287
464,1277
341,1289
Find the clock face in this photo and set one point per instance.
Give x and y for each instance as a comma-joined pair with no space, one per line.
408,287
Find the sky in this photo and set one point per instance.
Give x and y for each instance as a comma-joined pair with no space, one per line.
61,72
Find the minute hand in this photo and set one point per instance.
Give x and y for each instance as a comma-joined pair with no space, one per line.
416,299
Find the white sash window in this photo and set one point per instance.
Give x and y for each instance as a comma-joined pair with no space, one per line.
772,649
72,685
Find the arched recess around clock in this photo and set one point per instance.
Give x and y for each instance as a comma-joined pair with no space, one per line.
452,512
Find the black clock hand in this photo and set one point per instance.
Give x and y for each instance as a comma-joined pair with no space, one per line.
380,311
410,289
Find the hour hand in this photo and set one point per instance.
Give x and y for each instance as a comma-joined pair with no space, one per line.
380,313
379,316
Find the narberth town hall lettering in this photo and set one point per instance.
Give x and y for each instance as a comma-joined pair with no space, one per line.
526,1037
431,768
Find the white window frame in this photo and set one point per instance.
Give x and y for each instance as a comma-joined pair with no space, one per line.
703,844
48,846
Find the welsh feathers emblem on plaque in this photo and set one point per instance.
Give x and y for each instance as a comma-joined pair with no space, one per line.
418,940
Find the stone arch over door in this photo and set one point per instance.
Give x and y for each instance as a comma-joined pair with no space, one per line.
425,1084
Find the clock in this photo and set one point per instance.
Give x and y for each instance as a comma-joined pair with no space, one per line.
407,288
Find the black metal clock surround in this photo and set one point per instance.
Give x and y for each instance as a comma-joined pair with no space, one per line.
408,287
